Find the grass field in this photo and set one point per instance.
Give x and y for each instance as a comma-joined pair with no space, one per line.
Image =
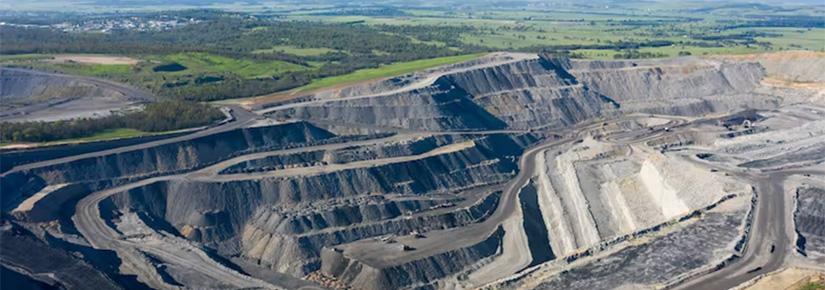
108,135
23,57
102,136
95,69
511,29
197,62
670,51
387,71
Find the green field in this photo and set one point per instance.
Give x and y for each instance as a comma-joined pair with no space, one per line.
113,134
525,29
23,57
108,135
387,71
94,69
197,62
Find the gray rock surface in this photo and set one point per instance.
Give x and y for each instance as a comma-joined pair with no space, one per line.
27,95
810,221
549,92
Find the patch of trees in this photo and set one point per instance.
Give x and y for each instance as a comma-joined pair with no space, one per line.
212,89
632,54
155,117
367,11
620,45
801,21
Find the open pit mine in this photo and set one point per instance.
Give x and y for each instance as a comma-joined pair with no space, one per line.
512,171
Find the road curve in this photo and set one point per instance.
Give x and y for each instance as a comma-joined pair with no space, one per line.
769,241
90,224
123,88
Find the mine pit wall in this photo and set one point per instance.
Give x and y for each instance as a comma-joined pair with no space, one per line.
649,80
508,77
439,107
686,86
347,215
49,206
227,215
538,237
689,249
545,107
224,216
808,155
417,273
19,86
390,84
267,248
160,160
406,148
723,231
482,173
38,255
639,192
809,222
690,138
13,157
346,155
269,163
532,93
552,92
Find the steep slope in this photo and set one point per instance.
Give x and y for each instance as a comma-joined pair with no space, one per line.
163,159
545,92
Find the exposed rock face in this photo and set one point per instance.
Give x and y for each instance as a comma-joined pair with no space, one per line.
674,87
56,267
656,262
21,87
417,273
594,192
794,66
13,157
532,93
433,108
253,217
407,147
164,159
809,219
277,162
551,92
640,80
